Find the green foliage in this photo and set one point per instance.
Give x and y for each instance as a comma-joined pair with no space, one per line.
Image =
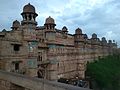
105,73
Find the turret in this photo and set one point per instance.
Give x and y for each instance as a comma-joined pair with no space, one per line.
50,24
78,38
64,32
15,25
29,15
104,41
28,24
50,28
95,40
94,36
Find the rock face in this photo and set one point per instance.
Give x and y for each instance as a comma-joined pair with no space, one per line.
46,51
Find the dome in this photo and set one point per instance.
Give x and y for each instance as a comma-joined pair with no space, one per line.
16,23
85,36
103,39
78,31
4,30
64,29
94,35
49,20
28,8
110,41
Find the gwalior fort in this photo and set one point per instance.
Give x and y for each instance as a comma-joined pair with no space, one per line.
46,52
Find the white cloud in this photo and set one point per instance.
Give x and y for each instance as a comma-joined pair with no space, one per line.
110,35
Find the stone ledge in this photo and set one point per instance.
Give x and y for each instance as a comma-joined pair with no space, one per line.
33,83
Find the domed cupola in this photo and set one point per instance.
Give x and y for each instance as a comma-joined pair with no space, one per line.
64,29
29,14
50,23
50,28
49,20
15,25
4,30
94,36
28,8
104,39
85,36
64,32
79,38
95,40
109,41
78,31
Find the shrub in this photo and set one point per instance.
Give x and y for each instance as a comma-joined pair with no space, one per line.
105,73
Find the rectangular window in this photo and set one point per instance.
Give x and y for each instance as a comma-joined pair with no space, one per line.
39,56
16,47
16,66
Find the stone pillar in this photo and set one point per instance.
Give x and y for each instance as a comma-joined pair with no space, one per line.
52,72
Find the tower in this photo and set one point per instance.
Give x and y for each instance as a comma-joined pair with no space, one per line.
79,38
95,46
104,46
28,26
50,24
110,47
64,32
50,28
29,15
29,22
15,25
95,41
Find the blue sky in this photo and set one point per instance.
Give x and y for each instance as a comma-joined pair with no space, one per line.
92,16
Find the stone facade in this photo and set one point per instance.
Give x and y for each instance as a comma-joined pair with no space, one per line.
48,52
